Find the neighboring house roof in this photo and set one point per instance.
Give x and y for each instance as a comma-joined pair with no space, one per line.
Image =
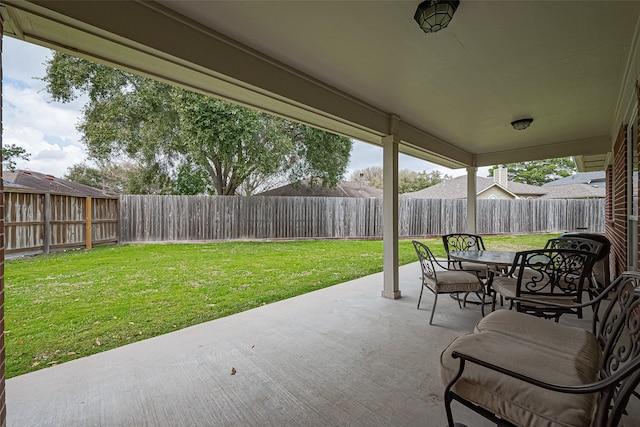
343,189
596,179
12,185
574,191
456,188
49,183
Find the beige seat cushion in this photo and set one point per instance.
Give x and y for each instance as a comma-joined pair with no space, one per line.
472,267
517,401
541,332
505,286
456,281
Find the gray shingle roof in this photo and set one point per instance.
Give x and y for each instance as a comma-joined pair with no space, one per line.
592,178
343,189
456,188
51,184
574,191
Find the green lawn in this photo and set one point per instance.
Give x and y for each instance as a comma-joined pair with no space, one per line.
65,306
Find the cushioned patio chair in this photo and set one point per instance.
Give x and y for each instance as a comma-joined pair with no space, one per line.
601,268
583,244
546,275
464,242
441,279
519,370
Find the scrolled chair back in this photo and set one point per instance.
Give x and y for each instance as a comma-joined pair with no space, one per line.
553,271
551,275
578,243
462,242
619,336
426,258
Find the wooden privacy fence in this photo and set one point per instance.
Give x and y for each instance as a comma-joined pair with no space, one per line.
194,218
43,222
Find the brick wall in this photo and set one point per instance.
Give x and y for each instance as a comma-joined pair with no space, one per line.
618,226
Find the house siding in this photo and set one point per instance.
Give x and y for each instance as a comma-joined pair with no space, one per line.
495,191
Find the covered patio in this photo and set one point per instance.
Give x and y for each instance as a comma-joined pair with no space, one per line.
364,70
338,356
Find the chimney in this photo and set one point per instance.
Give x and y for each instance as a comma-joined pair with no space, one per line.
500,176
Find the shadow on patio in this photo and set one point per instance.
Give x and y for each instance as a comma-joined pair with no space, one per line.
338,356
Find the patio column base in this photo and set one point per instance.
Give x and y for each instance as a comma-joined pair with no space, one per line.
391,294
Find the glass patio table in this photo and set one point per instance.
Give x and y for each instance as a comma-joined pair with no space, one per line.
497,259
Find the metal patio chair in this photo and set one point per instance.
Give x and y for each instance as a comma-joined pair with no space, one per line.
465,242
556,276
441,279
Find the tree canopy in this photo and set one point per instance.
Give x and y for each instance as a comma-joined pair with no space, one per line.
198,143
11,153
538,172
124,178
408,180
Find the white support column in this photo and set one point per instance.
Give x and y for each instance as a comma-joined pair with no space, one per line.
391,287
472,189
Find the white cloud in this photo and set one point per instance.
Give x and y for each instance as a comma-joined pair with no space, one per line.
364,155
47,130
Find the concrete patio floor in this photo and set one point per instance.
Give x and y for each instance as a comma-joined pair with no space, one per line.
335,357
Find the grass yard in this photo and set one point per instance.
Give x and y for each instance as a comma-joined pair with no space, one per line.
65,306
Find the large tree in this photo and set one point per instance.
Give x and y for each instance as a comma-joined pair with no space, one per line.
188,136
125,178
538,172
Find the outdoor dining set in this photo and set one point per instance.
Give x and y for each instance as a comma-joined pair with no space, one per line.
556,274
520,366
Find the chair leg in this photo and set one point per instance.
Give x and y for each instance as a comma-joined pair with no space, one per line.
482,303
447,407
433,310
419,298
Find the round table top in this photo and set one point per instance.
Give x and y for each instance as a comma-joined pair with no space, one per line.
484,257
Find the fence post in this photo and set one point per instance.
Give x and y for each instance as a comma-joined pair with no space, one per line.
46,243
87,221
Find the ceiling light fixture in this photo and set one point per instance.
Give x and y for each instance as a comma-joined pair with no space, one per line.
434,15
522,124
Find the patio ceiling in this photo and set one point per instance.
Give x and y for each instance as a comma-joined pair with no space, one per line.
364,68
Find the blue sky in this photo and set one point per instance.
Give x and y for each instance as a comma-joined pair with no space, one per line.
47,129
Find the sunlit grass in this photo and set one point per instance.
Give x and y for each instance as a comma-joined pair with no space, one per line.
64,306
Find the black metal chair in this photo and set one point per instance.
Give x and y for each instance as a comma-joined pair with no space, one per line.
597,247
517,370
601,272
464,242
553,276
441,279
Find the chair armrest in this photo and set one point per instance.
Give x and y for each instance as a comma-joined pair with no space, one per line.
445,267
573,389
